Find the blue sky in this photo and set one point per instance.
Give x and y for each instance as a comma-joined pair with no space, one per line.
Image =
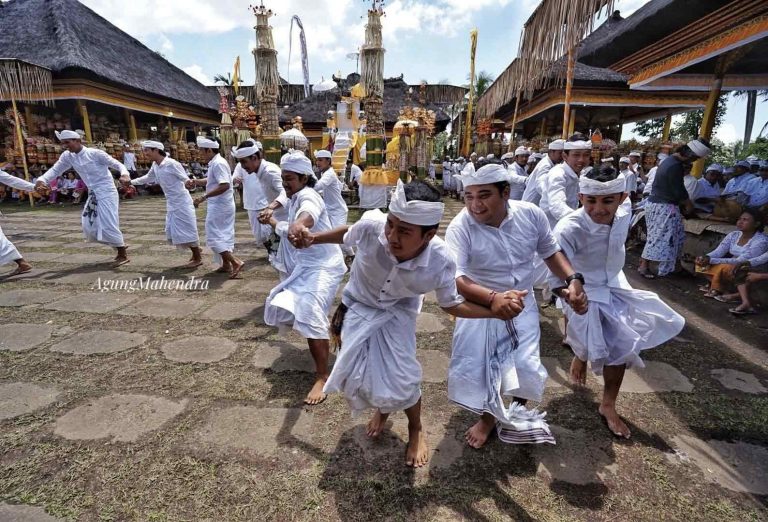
424,39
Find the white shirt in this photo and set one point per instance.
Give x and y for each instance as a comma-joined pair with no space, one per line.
739,183
378,280
253,195
330,186
129,160
691,185
708,190
500,258
532,192
14,182
758,192
171,177
218,173
559,193
356,173
649,183
631,178
92,165
596,251
518,176
468,169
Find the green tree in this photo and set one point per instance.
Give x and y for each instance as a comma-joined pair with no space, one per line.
226,80
650,128
686,129
759,148
440,145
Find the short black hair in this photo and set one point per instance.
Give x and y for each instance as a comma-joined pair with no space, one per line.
758,216
501,186
603,173
421,191
577,136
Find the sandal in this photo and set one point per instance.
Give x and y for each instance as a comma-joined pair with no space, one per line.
712,294
748,311
646,273
722,299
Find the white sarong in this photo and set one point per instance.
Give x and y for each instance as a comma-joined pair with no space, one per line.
220,225
303,300
619,324
181,227
8,252
260,232
493,359
377,365
101,222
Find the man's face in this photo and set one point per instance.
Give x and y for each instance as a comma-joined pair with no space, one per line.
152,154
711,176
208,154
633,160
577,159
292,182
522,159
485,203
72,145
405,240
602,209
322,163
556,156
251,163
763,173
623,165
738,171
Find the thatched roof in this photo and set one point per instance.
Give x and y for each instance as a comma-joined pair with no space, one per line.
74,42
314,109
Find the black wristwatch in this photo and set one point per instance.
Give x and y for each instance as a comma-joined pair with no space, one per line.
574,276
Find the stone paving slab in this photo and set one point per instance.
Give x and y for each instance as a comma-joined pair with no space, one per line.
434,365
255,430
93,302
122,418
738,466
163,307
199,349
736,380
20,398
40,257
158,261
38,244
99,341
285,356
27,297
21,513
429,323
258,286
558,374
231,310
575,459
654,378
82,245
87,259
18,337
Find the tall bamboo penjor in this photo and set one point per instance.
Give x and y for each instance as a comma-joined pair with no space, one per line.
372,78
267,83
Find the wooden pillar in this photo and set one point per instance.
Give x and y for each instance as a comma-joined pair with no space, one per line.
543,128
130,119
86,122
170,131
571,123
512,145
708,122
667,128
28,117
568,85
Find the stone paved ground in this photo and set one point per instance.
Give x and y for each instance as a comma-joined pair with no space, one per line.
182,405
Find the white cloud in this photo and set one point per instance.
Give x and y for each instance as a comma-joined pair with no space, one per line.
727,133
196,72
166,45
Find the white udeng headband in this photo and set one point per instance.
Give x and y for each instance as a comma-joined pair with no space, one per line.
577,145
152,145
296,162
422,213
699,148
485,175
205,143
67,135
592,187
245,152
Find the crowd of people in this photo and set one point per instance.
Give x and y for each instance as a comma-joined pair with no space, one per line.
558,223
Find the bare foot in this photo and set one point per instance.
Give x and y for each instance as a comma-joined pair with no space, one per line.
316,395
478,434
417,452
579,372
615,424
376,424
22,268
238,266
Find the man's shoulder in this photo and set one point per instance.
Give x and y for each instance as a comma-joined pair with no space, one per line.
440,254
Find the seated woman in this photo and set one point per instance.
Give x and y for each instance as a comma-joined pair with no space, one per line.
745,247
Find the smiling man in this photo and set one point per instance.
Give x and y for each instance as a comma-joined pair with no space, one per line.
560,188
399,259
494,241
621,321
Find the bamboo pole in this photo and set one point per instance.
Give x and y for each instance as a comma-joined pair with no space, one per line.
568,87
86,122
468,126
20,140
511,146
667,128
571,122
133,135
543,128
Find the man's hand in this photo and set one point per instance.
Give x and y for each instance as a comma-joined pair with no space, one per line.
300,236
125,179
42,188
265,216
509,304
197,201
190,184
576,297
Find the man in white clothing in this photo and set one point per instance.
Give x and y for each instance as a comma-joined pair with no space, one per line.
652,174
329,186
180,219
634,163
100,219
629,176
554,156
494,240
220,215
8,252
518,173
560,188
254,199
129,160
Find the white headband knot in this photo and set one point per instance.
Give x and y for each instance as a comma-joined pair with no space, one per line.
67,135
295,161
577,145
699,148
149,144
205,143
246,152
592,187
422,213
